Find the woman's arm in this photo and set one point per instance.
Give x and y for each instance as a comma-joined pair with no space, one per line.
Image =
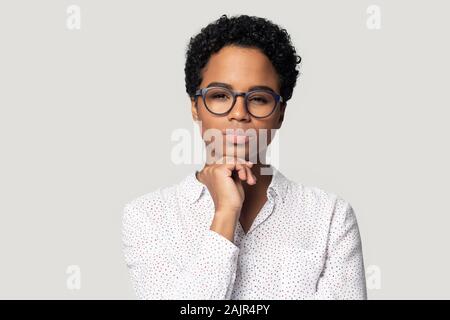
155,272
343,276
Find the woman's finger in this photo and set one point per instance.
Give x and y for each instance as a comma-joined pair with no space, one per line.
251,179
242,171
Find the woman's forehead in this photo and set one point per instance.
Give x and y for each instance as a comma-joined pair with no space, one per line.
241,68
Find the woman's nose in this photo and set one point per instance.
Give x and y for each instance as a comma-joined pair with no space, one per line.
239,111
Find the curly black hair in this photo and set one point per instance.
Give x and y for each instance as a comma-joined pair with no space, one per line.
244,31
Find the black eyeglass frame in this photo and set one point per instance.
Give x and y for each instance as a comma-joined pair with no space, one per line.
203,91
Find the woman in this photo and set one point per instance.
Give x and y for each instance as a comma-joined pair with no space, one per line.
238,228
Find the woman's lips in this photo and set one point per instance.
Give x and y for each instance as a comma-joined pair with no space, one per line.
237,136
237,139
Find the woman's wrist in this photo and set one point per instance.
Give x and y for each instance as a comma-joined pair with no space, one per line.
224,223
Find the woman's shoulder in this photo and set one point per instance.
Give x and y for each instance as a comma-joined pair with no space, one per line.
317,198
153,203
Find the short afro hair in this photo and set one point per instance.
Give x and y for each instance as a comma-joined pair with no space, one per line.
244,31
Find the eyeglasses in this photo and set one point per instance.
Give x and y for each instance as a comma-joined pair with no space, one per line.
259,103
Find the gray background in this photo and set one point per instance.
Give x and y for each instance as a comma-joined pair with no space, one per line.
85,128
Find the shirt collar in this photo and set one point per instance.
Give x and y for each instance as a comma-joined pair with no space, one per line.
192,189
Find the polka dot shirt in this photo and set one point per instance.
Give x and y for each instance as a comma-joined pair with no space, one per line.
303,244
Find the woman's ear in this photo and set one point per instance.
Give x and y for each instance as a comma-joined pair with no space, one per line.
194,109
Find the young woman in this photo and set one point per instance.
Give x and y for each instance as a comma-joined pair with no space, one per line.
238,228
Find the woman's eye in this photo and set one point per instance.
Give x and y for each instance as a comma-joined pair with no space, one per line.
259,100
219,96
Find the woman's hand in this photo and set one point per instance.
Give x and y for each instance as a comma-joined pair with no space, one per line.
224,182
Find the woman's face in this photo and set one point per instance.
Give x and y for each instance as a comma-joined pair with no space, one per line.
241,69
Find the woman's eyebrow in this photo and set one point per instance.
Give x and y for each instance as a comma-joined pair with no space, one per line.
228,86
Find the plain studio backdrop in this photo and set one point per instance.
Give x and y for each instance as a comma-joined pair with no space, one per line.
87,117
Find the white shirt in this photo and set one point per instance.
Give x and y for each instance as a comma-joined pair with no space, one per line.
303,244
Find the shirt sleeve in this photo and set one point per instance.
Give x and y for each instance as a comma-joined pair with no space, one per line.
343,276
156,273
